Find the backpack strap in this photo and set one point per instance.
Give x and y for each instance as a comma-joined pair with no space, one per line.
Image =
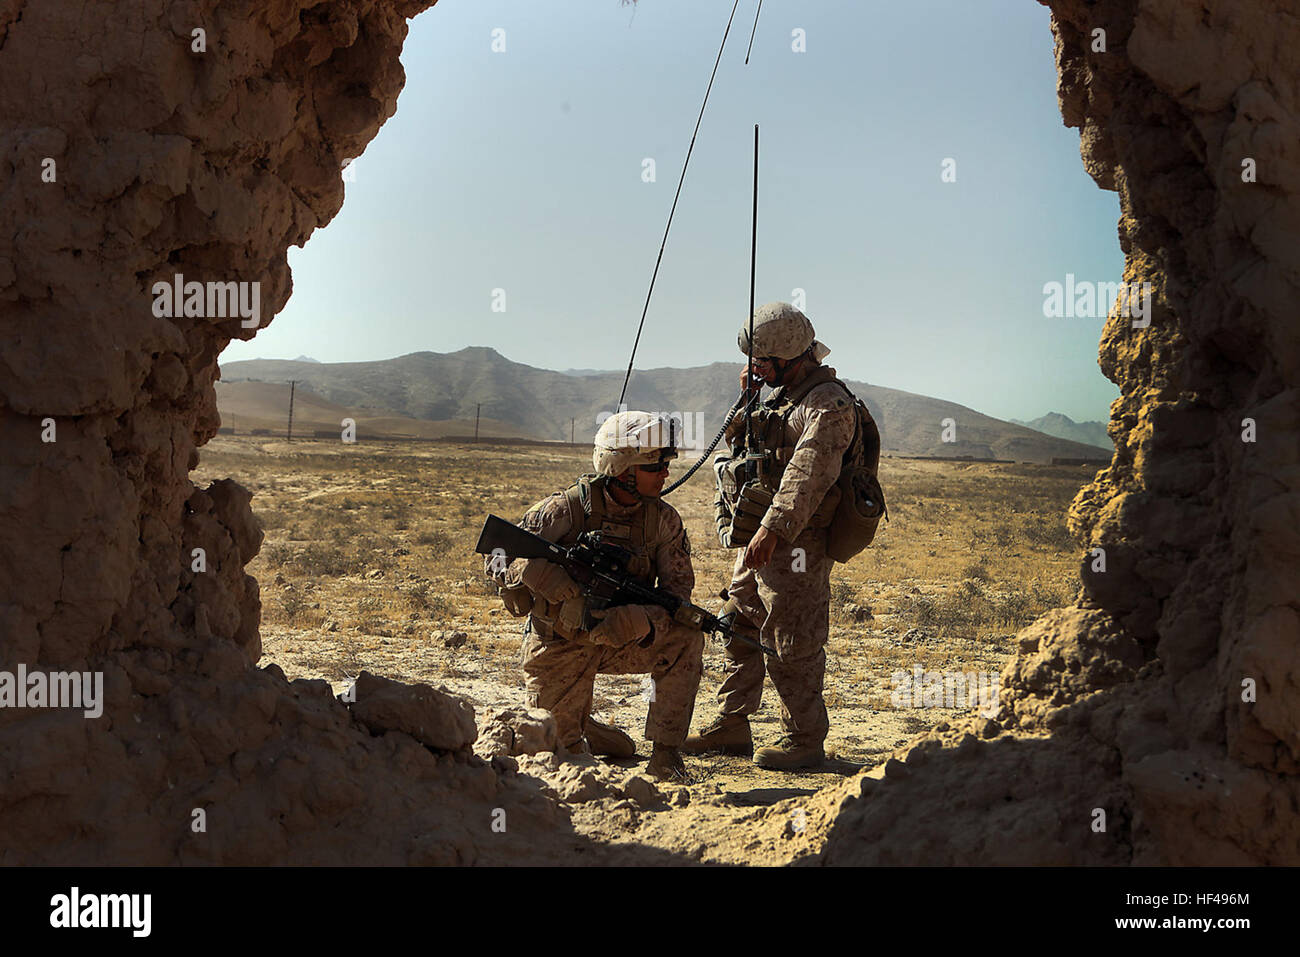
649,536
586,505
784,403
864,448
815,378
866,434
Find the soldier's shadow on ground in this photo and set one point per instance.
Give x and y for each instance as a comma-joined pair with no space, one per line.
785,784
761,797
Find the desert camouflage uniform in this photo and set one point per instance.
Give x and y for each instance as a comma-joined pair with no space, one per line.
788,600
561,672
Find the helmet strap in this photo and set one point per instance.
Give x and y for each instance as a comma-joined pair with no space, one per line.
625,485
789,365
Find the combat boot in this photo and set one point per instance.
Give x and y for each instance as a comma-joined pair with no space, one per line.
609,741
787,755
666,764
729,734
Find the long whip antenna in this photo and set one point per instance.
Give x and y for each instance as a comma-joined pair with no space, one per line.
741,401
752,32
753,259
680,181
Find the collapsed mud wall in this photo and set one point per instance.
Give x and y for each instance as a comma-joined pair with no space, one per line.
1159,720
201,139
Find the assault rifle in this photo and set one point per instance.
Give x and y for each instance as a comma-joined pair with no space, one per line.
600,569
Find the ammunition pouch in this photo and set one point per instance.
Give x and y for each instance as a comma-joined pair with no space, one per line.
727,487
562,619
741,502
517,599
857,514
751,506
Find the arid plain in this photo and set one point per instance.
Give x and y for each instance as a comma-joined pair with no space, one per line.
368,563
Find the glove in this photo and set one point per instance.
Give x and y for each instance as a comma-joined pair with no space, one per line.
620,625
549,581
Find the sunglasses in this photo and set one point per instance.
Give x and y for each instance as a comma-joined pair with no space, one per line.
658,467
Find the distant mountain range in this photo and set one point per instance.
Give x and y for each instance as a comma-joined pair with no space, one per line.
438,393
1064,427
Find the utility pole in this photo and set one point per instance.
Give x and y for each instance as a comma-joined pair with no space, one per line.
570,431
292,383
477,409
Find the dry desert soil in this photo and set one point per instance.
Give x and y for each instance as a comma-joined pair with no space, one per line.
368,563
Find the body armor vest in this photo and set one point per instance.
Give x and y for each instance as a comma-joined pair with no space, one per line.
640,536
745,488
745,491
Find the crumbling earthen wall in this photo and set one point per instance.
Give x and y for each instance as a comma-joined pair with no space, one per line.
129,156
1171,693
134,149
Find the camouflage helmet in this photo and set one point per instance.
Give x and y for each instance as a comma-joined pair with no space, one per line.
626,439
782,331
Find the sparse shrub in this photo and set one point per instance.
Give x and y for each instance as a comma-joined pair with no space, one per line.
439,542
1013,608
293,605
398,514
918,608
277,554
270,518
318,558
417,596
1045,596
1048,533
978,570
964,610
440,608
375,554
842,592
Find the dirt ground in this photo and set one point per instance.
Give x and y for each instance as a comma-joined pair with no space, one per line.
368,563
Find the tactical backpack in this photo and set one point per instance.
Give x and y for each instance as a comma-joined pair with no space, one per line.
862,500
851,526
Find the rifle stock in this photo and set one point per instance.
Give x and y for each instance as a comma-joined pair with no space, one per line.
503,538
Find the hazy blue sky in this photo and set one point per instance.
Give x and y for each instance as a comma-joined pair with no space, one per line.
522,170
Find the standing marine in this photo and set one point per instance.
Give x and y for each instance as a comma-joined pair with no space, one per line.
560,658
779,494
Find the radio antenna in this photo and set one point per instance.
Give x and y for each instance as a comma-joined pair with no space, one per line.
753,259
680,181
